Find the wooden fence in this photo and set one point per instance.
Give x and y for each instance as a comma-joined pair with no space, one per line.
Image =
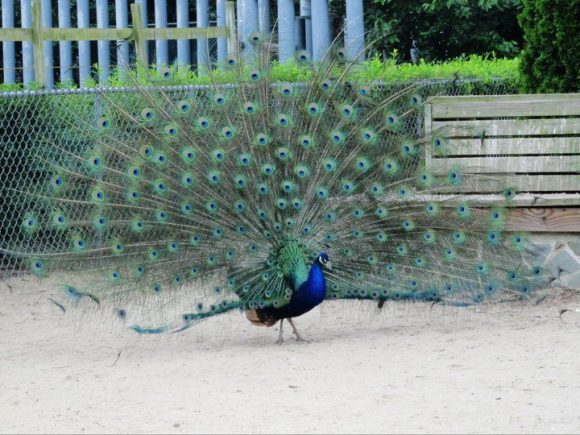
530,143
304,26
38,35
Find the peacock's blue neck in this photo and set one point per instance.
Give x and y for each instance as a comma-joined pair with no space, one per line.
316,283
310,293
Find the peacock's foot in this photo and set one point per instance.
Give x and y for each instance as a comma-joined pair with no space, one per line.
300,339
295,332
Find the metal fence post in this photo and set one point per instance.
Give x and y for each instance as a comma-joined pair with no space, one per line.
222,43
248,21
8,47
354,33
65,47
264,16
122,22
286,29
48,55
202,13
83,18
183,45
103,47
305,12
27,48
161,54
320,29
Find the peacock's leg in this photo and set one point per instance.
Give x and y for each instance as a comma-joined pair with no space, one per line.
295,331
280,335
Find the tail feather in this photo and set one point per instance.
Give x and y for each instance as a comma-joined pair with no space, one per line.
174,188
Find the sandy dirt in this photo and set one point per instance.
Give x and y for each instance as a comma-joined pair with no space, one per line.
410,368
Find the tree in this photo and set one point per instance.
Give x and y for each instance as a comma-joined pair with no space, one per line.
552,40
443,29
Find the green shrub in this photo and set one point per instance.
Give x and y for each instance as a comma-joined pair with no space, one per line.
550,60
476,67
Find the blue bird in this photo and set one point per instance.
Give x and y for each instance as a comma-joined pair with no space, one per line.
306,295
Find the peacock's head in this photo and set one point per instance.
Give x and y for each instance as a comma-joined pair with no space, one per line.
324,261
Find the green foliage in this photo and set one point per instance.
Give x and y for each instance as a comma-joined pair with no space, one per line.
552,35
483,68
443,29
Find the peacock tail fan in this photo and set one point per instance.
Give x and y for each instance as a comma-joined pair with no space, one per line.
217,196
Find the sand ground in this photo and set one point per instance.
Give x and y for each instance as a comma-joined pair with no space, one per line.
502,368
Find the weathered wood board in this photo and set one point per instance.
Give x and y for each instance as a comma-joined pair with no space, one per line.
529,142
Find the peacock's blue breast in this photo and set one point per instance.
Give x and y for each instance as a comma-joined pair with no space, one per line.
310,294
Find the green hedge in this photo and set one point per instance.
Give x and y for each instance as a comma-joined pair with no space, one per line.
483,68
550,60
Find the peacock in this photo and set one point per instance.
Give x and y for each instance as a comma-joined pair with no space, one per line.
176,204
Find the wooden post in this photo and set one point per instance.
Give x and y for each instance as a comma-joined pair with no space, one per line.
231,26
37,43
138,34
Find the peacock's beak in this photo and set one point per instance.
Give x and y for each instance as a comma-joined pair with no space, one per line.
328,265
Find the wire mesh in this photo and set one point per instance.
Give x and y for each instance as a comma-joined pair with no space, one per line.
32,122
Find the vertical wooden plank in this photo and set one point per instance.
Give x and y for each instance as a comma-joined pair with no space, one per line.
65,47
48,55
144,21
222,43
232,31
103,47
183,45
122,22
8,47
39,71
202,12
286,29
83,21
140,50
27,47
161,52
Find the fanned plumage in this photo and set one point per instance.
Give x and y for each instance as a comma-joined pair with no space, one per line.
228,201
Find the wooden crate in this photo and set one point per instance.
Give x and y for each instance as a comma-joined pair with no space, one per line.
529,142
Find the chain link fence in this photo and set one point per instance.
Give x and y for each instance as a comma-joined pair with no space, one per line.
30,121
